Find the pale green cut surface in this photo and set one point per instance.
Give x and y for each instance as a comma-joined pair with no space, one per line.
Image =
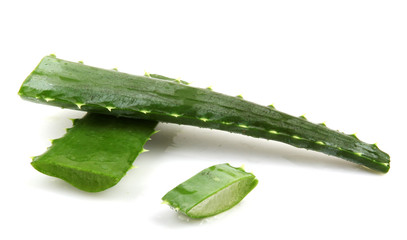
222,200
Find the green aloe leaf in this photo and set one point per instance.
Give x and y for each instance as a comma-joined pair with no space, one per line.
96,152
76,86
211,191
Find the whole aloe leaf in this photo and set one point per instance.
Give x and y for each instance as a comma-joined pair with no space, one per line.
77,86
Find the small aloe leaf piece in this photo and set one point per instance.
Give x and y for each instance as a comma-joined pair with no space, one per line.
211,191
96,152
81,87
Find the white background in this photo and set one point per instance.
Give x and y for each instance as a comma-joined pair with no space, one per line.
339,62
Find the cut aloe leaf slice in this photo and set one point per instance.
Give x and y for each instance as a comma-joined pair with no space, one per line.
211,191
96,152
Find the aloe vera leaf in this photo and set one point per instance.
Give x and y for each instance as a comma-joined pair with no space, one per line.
77,86
211,191
96,152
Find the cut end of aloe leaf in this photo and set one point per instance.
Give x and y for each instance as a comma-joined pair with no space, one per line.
82,179
211,191
224,199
